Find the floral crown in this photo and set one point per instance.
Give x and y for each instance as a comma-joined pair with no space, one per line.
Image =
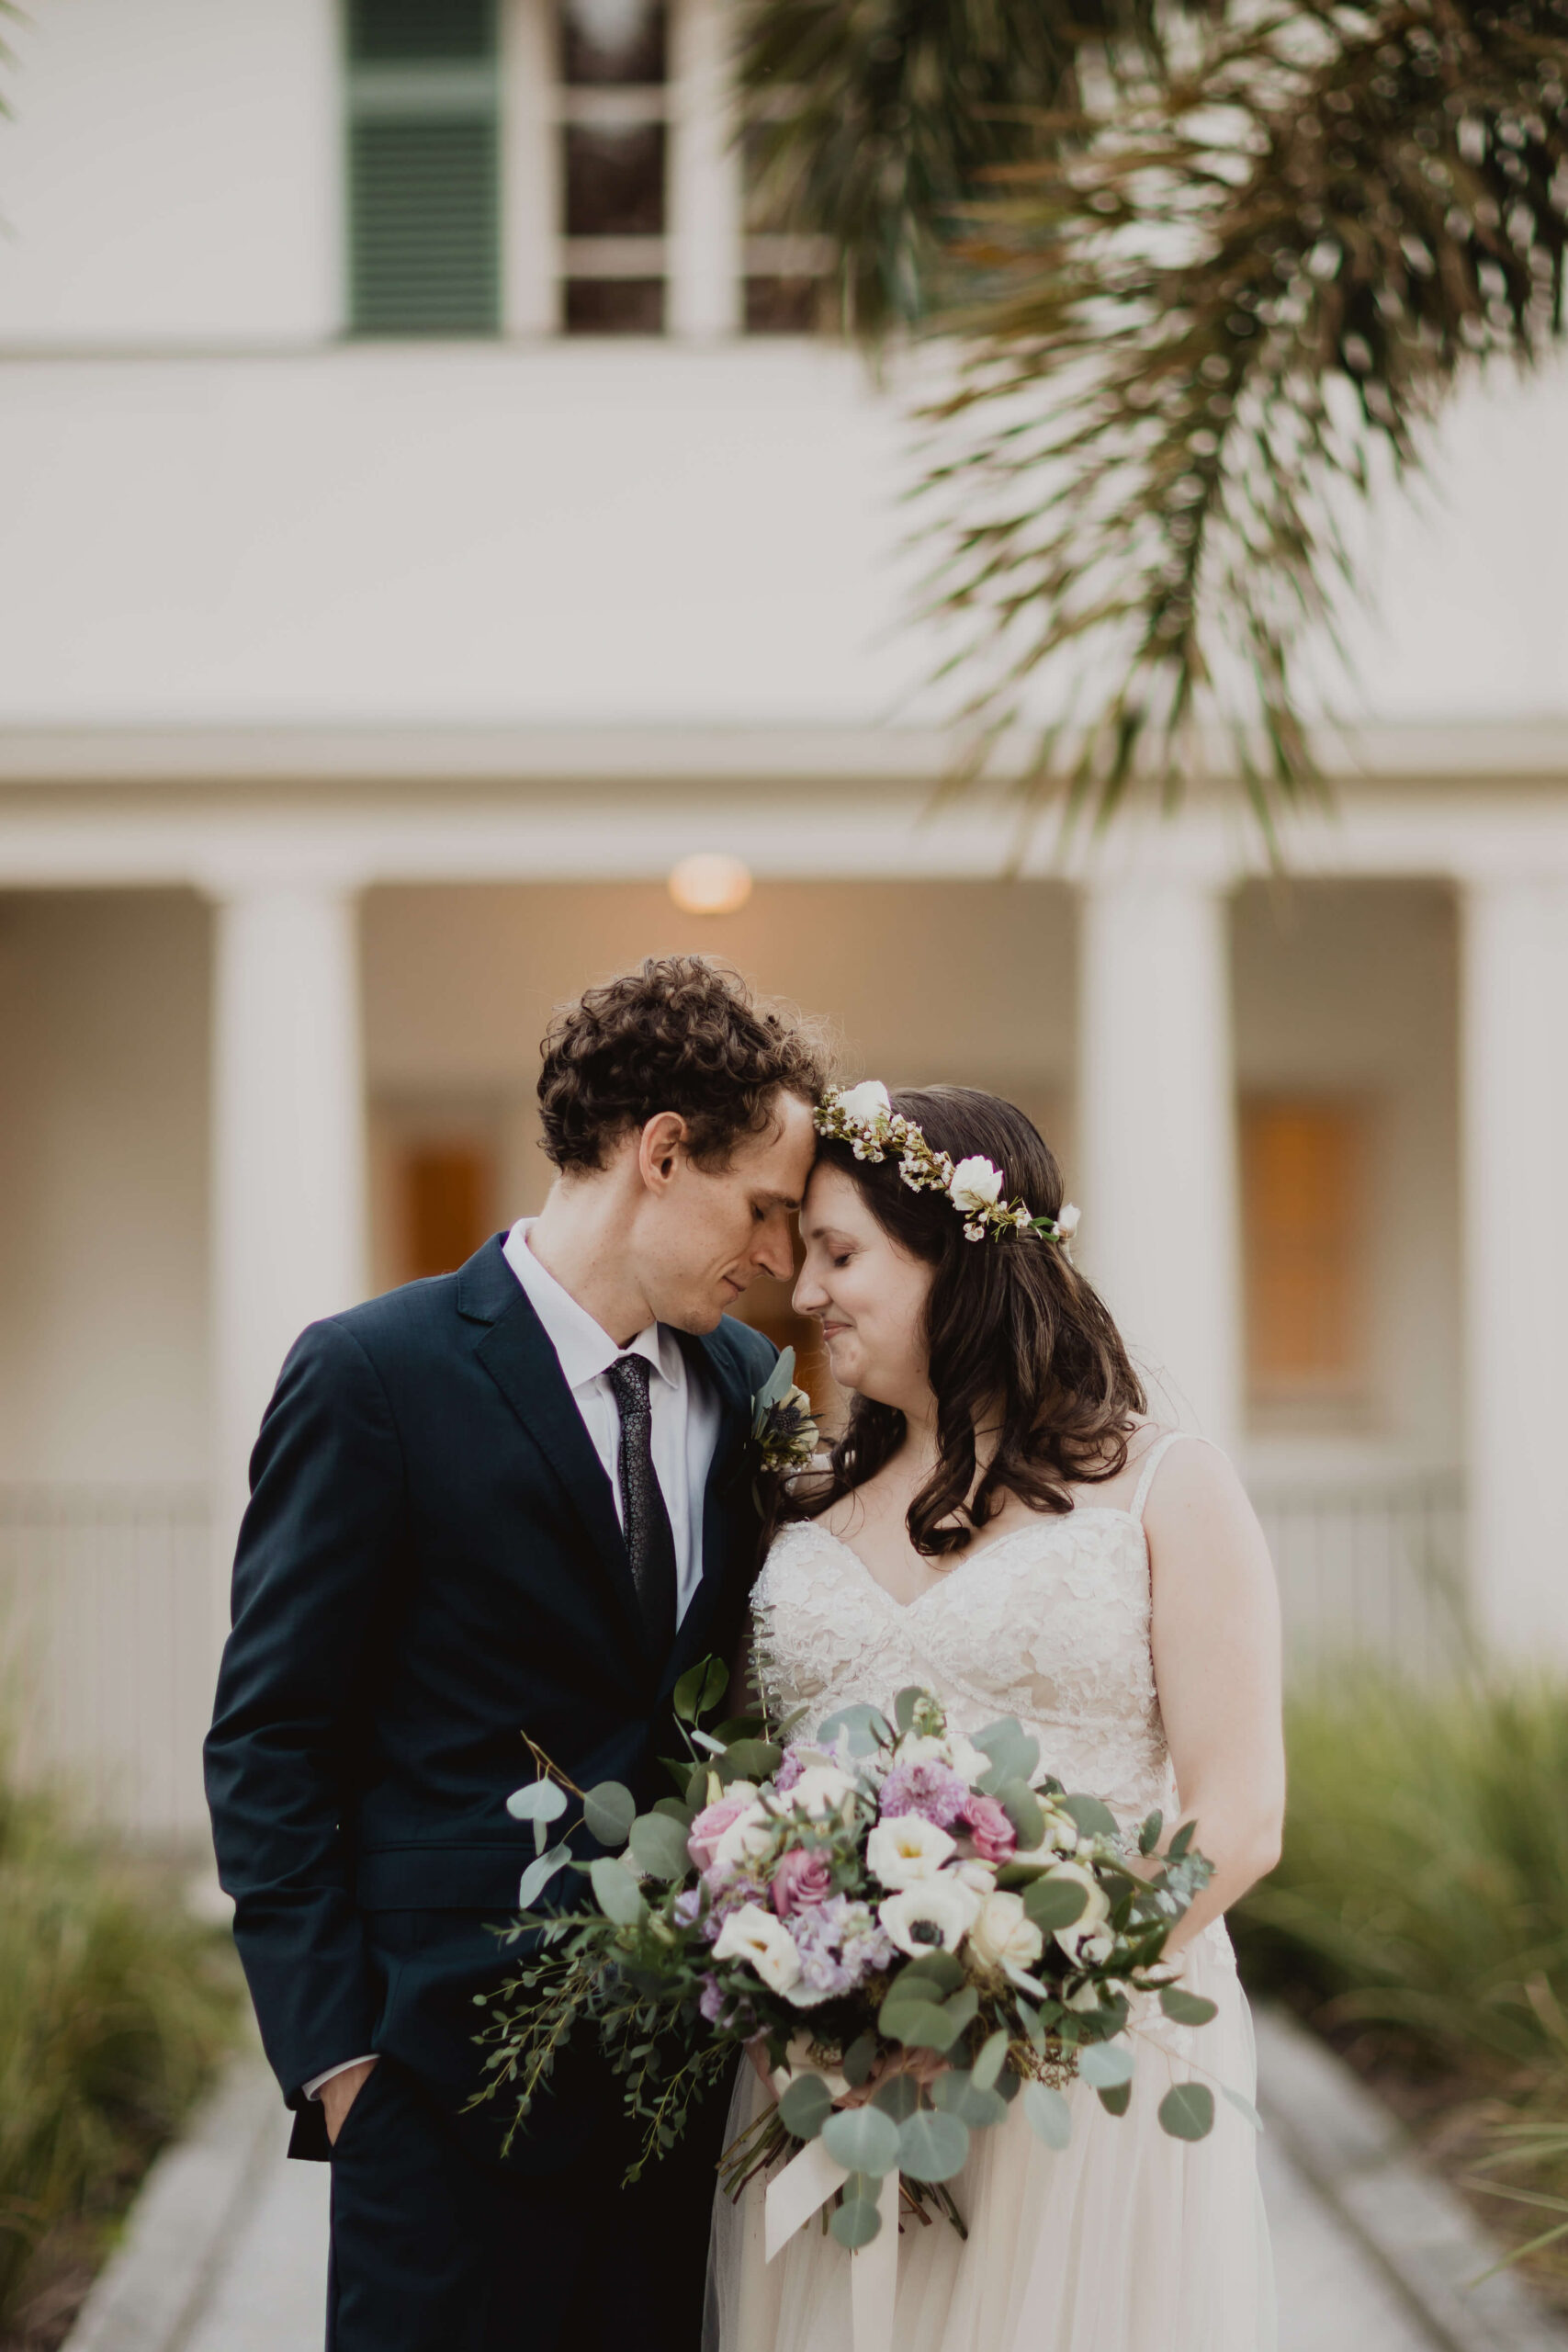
863,1117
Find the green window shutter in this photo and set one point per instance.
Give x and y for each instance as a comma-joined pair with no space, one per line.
423,168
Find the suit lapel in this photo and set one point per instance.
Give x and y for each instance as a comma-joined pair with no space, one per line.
728,1513
517,1354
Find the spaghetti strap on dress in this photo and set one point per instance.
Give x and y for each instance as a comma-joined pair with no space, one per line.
1126,2241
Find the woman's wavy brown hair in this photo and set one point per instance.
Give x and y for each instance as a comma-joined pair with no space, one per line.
1016,1337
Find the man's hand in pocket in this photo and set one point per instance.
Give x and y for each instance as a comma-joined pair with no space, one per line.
339,2095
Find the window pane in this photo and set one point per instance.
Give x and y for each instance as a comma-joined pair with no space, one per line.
1303,1183
425,203
614,306
613,42
381,29
615,180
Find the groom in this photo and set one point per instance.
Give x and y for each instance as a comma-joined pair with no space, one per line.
516,1500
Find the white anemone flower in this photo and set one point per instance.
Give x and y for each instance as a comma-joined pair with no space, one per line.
754,1935
907,1852
975,1185
938,1911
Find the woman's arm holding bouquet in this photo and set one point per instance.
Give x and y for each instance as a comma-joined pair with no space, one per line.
1217,1657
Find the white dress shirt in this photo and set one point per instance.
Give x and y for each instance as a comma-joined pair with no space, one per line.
685,1434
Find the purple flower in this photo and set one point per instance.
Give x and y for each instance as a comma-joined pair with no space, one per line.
839,1943
935,1791
686,1906
789,1771
800,1881
714,2000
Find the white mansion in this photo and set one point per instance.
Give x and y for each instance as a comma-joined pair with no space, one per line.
428,517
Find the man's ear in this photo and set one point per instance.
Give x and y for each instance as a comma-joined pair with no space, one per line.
658,1149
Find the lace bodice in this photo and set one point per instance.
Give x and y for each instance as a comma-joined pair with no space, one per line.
1049,1623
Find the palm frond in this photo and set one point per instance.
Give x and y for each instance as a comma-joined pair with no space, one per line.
1198,331
871,123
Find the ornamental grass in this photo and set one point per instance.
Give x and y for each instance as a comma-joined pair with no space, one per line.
1419,1916
113,2007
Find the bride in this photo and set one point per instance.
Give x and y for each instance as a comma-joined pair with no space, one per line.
1001,1524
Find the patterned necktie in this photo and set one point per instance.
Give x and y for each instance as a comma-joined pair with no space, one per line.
649,1539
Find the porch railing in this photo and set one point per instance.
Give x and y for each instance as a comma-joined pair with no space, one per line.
110,1606
1370,1569
109,1641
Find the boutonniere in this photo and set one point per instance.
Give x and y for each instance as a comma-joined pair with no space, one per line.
783,1428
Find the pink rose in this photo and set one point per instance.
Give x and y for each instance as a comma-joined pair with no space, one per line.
800,1881
702,1841
991,1833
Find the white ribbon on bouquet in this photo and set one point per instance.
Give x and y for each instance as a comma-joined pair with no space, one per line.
802,2189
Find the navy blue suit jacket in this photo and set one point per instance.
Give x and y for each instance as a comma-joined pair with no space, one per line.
430,1565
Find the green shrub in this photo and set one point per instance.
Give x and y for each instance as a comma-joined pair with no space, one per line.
1423,1883
114,2006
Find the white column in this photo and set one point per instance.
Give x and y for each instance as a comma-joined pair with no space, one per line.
1514,1056
531,177
288,1195
1156,1127
704,177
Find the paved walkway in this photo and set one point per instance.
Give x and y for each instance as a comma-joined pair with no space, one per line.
227,2252
1333,2297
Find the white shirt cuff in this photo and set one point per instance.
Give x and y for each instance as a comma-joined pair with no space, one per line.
314,2087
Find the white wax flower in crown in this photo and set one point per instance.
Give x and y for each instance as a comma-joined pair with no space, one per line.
974,1185
1066,1220
867,1103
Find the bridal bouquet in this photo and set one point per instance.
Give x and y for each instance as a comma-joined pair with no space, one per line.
917,1927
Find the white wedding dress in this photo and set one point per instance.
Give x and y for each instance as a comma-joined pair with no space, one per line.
1127,2241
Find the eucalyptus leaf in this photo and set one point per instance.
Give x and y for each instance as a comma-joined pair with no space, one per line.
1054,1903
1148,1835
1187,2009
1186,2112
615,1891
1243,2107
858,2060
920,2025
866,1726
1024,1811
1093,1818
805,2105
957,2093
863,2139
1047,2114
990,2061
963,2009
609,1811
673,1810
898,2095
538,1874
542,1799
658,1846
856,2222
1116,2097
932,2146
1105,2065
935,1972
1014,1754
904,1705
1183,1838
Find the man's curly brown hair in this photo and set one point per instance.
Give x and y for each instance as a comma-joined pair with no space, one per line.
682,1034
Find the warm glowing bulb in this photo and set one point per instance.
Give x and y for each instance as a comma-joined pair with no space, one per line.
710,882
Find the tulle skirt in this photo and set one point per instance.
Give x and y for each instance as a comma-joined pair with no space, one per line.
1125,2241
